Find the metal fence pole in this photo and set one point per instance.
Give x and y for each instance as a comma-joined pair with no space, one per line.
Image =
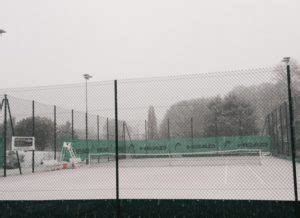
13,133
145,131
216,131
281,130
33,133
5,134
276,131
86,135
240,123
98,128
124,139
192,130
107,129
288,138
54,132
117,148
72,128
273,134
292,129
169,135
270,130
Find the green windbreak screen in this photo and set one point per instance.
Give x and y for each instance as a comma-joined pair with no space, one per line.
182,145
1,153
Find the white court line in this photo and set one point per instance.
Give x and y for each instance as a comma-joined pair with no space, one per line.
256,175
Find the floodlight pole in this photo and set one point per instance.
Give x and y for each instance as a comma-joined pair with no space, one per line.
86,77
292,125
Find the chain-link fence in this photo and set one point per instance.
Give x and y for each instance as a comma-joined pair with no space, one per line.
208,136
55,116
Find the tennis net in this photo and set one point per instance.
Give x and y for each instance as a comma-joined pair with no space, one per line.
210,158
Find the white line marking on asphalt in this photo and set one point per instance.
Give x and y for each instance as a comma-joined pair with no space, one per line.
257,176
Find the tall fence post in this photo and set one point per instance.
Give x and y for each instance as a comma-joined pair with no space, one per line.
146,135
107,129
33,132
72,124
281,130
292,129
277,131
98,128
270,130
216,130
117,149
86,136
192,130
169,135
5,135
288,138
273,133
240,123
123,150
13,134
54,132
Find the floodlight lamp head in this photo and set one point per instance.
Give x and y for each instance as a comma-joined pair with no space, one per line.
2,31
286,60
87,76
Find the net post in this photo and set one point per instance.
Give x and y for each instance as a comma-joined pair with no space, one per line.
292,130
117,148
33,133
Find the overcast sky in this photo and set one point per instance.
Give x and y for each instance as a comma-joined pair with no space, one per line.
56,41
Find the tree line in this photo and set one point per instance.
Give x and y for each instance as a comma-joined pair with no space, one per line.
240,112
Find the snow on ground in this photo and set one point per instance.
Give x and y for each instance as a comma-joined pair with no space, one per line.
272,180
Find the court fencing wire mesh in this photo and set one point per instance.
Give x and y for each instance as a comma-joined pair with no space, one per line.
224,135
